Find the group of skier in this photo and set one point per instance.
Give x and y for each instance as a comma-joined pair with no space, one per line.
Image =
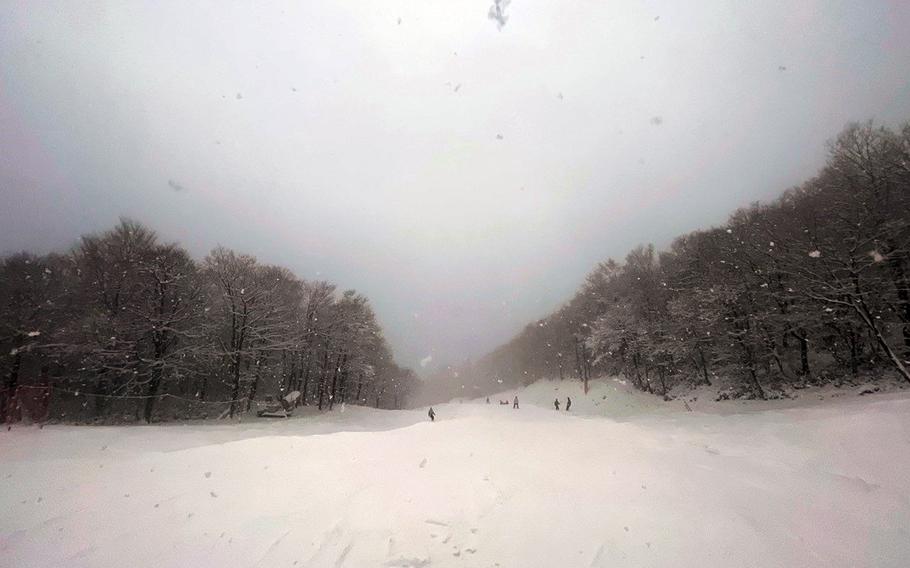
432,413
506,402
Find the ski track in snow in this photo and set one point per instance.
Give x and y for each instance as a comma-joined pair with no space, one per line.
622,480
339,562
272,547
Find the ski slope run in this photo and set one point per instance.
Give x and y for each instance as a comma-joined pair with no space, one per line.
484,486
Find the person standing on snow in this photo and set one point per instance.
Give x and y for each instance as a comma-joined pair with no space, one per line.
556,403
432,415
568,404
488,400
515,402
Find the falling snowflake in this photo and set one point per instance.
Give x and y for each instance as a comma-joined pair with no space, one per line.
815,253
498,12
175,186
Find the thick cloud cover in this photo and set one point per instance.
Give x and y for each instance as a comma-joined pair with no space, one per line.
463,176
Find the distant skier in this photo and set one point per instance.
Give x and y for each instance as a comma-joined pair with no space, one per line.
556,403
488,400
568,404
432,414
515,402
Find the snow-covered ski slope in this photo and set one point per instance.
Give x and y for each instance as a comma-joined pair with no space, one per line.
827,484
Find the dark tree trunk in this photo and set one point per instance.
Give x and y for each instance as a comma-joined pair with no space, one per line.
585,366
235,392
102,392
343,385
303,390
745,330
636,373
704,366
255,387
45,407
854,354
8,409
152,394
322,378
902,286
801,336
334,382
292,376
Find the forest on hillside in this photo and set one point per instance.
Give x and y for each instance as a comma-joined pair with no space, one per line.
811,288
126,327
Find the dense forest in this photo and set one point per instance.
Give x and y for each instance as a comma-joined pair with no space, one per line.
811,288
126,327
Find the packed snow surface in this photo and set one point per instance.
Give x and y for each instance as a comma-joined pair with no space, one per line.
622,479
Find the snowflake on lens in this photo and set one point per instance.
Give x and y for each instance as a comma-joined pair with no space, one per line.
498,12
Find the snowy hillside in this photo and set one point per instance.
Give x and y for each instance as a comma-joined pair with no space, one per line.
613,397
617,398
485,485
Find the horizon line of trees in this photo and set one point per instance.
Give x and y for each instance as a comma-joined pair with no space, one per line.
811,288
126,327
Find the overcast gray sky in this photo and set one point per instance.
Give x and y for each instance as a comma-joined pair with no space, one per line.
464,177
